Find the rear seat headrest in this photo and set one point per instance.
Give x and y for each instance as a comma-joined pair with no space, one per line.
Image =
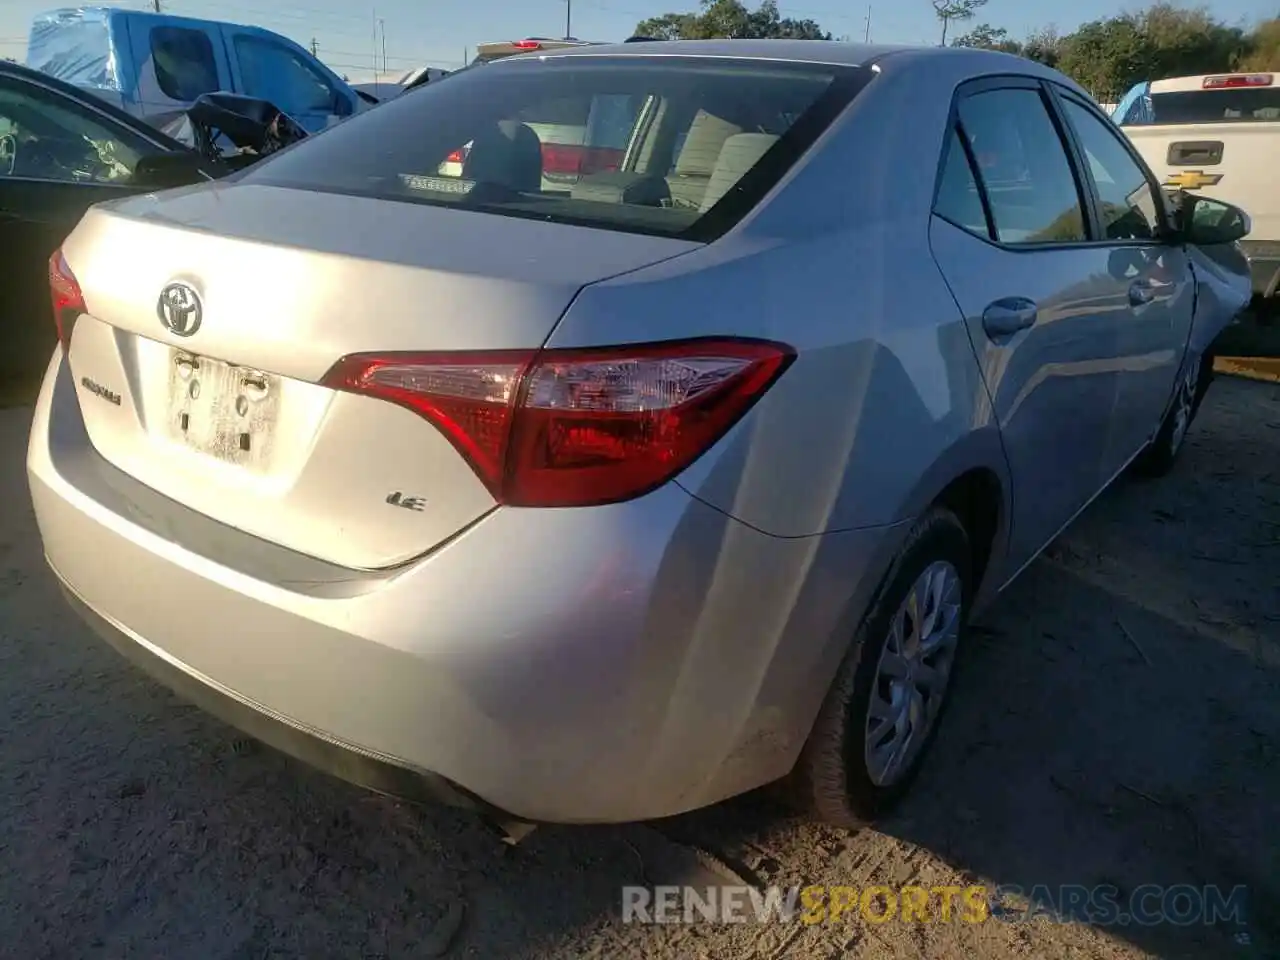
707,134
739,154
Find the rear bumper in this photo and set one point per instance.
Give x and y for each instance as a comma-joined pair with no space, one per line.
1264,265
314,747
603,665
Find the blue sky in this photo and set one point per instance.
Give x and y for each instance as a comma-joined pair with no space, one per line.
439,32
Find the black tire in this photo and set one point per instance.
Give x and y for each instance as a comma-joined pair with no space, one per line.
831,780
1162,453
1266,310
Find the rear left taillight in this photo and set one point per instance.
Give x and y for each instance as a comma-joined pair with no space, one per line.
65,296
569,428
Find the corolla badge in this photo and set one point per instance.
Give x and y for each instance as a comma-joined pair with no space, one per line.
179,309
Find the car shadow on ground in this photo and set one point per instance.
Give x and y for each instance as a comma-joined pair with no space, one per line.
1117,722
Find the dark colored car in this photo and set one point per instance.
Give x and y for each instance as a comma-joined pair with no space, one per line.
61,150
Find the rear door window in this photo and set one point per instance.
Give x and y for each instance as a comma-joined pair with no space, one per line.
184,61
1030,186
548,139
959,201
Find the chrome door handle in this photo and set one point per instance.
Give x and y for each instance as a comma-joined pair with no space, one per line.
1140,292
1007,316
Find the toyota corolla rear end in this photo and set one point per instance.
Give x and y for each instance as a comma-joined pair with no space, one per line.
307,455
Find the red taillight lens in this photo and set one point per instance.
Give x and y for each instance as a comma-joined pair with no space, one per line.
469,397
1238,80
564,428
65,296
526,44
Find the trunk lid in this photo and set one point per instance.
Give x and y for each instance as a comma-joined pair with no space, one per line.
288,282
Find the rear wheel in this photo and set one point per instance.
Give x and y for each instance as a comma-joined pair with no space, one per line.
1162,452
882,711
1266,310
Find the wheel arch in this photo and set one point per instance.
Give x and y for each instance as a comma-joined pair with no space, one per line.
971,478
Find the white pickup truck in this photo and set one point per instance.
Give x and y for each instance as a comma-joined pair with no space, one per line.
1218,136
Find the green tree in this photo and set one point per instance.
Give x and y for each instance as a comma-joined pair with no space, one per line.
958,10
986,37
1043,46
1107,57
1262,48
1186,42
731,18
671,26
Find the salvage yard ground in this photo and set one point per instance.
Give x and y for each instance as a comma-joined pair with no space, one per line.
1118,721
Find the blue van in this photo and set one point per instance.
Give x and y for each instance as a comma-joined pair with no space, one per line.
154,65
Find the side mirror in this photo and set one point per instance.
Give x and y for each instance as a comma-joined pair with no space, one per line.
342,107
1207,222
165,170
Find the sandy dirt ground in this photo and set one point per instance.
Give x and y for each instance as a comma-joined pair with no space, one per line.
1117,721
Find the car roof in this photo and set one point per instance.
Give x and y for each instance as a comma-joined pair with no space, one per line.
830,52
961,61
801,51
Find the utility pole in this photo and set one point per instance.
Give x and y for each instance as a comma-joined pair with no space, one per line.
377,78
315,50
568,18
382,25
867,37
156,5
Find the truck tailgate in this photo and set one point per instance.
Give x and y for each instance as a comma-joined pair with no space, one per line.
1234,162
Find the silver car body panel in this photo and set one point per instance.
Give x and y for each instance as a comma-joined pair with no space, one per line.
629,659
583,664
280,294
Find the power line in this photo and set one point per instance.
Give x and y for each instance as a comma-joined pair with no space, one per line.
398,59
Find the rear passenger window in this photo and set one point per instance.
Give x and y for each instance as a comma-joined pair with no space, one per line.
958,199
1129,210
185,64
1024,167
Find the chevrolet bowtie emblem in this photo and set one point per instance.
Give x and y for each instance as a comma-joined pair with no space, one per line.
1192,179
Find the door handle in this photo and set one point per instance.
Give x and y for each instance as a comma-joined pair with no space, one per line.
1008,316
1140,292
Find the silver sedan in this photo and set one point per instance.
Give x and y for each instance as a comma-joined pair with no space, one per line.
605,479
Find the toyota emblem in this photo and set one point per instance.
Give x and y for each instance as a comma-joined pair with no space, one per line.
179,309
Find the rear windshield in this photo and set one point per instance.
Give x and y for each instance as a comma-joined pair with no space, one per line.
1259,104
671,146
